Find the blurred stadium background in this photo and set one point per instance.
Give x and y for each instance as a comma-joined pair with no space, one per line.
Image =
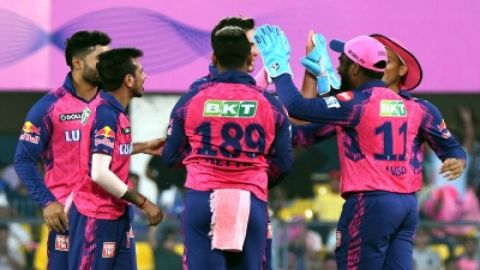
175,38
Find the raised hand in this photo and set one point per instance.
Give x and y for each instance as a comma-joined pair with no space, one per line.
318,63
274,48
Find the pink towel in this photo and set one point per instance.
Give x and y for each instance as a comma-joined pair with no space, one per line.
230,212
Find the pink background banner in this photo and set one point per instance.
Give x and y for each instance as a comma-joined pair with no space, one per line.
175,35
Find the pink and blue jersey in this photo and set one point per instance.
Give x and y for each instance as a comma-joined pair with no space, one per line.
107,132
380,134
229,134
52,133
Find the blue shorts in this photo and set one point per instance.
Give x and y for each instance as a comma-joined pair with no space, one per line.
100,244
376,231
57,250
199,254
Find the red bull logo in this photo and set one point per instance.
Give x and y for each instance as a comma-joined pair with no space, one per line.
106,132
30,133
30,128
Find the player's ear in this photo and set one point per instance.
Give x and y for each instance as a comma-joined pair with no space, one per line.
403,70
249,60
129,80
355,68
76,63
214,59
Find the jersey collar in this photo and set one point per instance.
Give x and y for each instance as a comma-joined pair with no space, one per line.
233,76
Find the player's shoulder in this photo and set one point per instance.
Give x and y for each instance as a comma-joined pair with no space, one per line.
46,103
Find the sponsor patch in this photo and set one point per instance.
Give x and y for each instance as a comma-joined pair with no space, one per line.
104,141
30,133
126,130
30,128
106,132
108,250
345,96
392,108
61,242
105,136
126,149
70,117
332,102
230,108
85,114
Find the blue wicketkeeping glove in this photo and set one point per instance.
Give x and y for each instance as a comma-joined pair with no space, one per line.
274,48
318,63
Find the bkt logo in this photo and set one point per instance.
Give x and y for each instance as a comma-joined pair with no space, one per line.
70,117
126,149
72,135
230,108
392,108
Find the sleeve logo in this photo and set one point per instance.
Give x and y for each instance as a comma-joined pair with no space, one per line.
230,108
345,96
105,136
30,133
332,102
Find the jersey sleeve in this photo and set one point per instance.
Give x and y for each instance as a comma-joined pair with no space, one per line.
176,147
32,145
343,109
307,135
436,134
280,157
104,130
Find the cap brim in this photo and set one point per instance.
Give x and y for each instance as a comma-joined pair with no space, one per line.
337,45
414,74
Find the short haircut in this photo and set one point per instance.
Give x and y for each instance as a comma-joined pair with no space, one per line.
114,65
242,22
83,42
231,47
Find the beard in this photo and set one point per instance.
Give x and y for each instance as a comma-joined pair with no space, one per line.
90,75
346,83
137,92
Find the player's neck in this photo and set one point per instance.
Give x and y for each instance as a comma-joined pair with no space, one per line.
123,96
84,89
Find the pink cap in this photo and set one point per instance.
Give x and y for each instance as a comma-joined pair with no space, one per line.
363,50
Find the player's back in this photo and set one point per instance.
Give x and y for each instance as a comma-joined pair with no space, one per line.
230,128
384,150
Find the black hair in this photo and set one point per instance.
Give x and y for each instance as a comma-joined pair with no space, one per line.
82,42
242,22
115,64
231,47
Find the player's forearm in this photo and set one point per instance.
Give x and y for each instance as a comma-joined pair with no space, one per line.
27,170
105,178
134,197
139,147
309,87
